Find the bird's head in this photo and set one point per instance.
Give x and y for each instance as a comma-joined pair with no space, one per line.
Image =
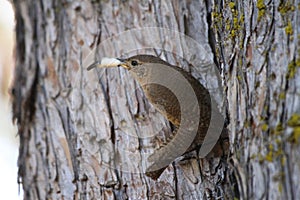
139,66
137,61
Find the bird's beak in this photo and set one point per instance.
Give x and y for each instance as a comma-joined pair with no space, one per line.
93,65
123,64
110,62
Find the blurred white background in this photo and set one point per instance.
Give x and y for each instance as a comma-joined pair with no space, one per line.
9,188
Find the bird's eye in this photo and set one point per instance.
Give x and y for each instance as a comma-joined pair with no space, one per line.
134,63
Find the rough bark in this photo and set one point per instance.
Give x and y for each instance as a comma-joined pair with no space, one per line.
258,46
74,125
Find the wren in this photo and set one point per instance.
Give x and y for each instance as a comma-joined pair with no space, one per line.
166,102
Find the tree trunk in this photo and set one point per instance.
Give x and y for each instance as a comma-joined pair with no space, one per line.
79,130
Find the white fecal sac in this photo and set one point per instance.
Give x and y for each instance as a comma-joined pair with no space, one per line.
109,62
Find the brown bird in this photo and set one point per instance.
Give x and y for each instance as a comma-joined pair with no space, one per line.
157,78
